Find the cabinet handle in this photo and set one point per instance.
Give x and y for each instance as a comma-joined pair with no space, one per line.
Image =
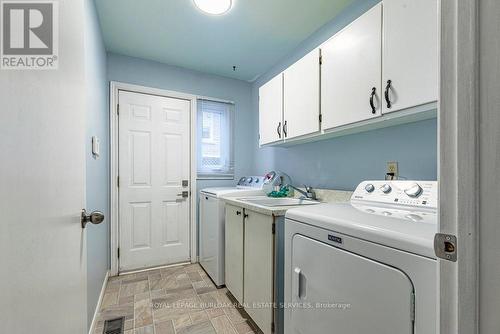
238,213
387,88
285,129
374,90
279,130
245,215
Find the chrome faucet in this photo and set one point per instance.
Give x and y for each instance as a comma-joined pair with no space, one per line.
309,192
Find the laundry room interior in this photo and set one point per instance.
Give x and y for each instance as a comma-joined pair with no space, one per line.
244,167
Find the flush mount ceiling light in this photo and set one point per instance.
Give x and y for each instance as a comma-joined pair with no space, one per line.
214,7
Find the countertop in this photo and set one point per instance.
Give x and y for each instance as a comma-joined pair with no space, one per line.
324,196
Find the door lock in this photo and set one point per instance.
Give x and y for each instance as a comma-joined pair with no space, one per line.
184,194
445,246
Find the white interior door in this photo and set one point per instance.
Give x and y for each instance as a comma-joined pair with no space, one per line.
271,111
410,53
351,72
154,151
349,294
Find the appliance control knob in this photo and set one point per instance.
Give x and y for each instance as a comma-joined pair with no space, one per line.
386,188
414,190
369,188
249,179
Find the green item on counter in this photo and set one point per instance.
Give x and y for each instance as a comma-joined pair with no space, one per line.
282,193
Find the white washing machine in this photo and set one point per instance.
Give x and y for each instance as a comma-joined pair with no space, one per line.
366,266
212,223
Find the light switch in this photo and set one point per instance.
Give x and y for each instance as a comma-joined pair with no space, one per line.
95,146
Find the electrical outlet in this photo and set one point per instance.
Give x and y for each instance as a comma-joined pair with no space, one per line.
392,169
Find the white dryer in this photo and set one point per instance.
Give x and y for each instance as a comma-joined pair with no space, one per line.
212,223
366,266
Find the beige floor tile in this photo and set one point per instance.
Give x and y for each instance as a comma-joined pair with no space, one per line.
182,321
200,328
215,312
134,287
126,300
198,316
113,286
165,327
155,294
243,328
143,314
116,311
145,330
129,324
209,300
194,276
222,325
234,315
109,299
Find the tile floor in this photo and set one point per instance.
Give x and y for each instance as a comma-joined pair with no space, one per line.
175,300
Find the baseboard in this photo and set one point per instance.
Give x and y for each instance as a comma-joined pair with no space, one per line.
98,306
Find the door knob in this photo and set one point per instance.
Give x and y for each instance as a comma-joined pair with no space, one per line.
96,217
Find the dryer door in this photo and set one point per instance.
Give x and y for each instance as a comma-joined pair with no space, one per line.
345,293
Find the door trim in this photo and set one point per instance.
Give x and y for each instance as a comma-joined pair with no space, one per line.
458,121
114,89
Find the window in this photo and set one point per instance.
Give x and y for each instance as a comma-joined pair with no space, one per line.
215,139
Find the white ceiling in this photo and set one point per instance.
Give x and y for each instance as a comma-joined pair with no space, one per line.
253,36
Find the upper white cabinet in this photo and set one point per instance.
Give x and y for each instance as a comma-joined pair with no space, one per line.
271,111
351,72
410,57
301,96
384,61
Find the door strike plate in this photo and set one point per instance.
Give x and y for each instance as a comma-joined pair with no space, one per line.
445,246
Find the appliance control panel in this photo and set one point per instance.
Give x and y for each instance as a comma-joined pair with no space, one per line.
422,194
251,182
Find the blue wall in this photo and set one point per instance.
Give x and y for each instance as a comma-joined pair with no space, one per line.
97,169
343,162
152,74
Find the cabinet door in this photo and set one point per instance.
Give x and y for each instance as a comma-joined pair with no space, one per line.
258,288
410,56
351,72
234,251
271,111
301,96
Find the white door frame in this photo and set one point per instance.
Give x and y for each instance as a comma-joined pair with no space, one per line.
458,164
115,88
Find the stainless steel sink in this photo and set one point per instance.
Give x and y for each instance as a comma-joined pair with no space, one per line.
268,201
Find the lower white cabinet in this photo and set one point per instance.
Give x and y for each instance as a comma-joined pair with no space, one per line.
250,263
234,232
258,269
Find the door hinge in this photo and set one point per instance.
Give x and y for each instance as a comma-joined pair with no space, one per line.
118,252
412,311
274,228
273,329
321,60
118,181
320,118
445,246
118,109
